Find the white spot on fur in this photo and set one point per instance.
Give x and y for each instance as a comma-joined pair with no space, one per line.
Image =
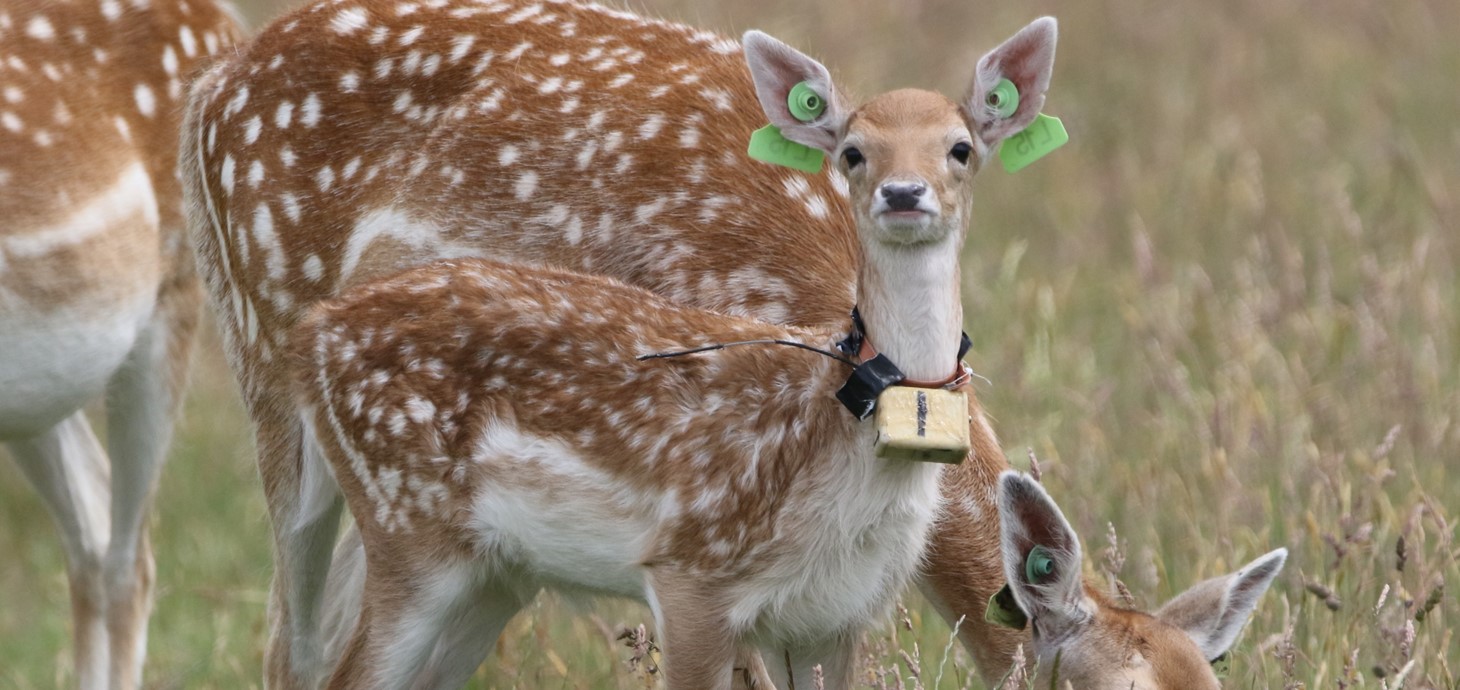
349,21
525,186
40,28
188,42
310,112
283,115
146,102
251,129
651,126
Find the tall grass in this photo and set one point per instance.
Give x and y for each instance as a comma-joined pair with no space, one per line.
1224,318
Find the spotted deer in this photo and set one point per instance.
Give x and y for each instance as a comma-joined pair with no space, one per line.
97,288
494,432
1082,638
353,139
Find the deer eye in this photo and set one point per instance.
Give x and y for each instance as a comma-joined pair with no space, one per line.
852,156
961,151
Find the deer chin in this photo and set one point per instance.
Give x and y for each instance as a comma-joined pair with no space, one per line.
904,228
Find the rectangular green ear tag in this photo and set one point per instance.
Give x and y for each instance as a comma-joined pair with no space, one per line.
1042,136
767,144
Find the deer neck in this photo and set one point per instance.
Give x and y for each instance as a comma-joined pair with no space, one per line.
911,305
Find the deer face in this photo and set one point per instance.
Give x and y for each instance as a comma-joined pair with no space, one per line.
907,155
1081,637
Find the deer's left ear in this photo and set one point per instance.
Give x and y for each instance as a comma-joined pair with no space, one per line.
1213,612
776,68
1027,60
1042,556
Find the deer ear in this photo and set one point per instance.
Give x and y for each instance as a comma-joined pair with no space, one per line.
776,68
1042,557
1213,612
1027,60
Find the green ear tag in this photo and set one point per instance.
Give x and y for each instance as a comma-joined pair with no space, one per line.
805,104
1004,611
1038,565
1037,140
767,144
1004,99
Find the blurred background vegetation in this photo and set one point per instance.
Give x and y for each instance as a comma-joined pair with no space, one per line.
1224,318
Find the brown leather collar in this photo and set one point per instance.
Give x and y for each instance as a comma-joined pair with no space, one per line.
958,380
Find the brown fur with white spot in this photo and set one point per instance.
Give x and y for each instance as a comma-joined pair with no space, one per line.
98,292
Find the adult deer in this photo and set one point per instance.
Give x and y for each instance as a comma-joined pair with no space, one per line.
97,287
496,429
351,140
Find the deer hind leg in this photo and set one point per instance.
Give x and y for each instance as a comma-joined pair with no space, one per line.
794,666
68,467
471,631
408,608
142,403
304,515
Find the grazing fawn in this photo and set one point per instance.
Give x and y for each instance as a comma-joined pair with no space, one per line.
97,288
1082,638
353,139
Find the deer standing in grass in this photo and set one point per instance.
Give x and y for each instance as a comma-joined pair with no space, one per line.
97,288
352,140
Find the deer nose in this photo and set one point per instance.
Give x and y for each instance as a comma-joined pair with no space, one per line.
903,196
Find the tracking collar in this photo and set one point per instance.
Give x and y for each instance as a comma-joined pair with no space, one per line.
876,372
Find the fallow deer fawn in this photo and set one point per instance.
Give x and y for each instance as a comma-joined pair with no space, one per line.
353,139
1082,638
494,433
98,292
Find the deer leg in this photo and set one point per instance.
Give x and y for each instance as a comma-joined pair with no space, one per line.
407,610
699,647
794,666
142,402
68,467
304,515
750,671
470,633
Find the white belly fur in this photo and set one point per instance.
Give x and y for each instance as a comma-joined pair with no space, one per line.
845,550
53,364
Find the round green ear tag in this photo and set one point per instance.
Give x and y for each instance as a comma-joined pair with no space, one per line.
805,104
1038,565
1003,99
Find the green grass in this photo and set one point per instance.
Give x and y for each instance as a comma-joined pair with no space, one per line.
1224,318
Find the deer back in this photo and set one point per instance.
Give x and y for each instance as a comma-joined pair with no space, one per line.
352,139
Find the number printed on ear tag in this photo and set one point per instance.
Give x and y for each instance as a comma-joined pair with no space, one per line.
1042,136
767,144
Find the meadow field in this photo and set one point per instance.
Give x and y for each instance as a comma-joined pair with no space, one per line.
1224,318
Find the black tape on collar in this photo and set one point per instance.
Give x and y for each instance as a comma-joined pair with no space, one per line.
859,394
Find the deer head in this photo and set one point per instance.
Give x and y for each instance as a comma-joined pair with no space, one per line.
1083,638
908,154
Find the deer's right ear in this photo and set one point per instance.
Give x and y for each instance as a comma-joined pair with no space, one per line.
776,68
1042,557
